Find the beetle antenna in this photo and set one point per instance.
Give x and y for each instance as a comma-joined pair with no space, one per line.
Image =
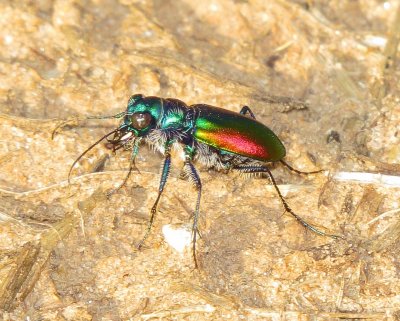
87,150
300,172
119,115
76,119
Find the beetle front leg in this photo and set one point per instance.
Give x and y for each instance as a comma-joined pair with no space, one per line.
191,173
163,181
245,110
264,169
132,166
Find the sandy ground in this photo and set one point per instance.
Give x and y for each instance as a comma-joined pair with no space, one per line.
324,75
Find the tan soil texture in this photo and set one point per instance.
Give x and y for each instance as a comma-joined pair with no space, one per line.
324,75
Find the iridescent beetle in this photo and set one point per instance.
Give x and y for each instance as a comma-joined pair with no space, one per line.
217,137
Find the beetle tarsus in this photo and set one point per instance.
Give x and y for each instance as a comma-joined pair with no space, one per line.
265,169
132,166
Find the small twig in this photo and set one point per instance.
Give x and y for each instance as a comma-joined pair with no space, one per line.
369,178
278,315
388,213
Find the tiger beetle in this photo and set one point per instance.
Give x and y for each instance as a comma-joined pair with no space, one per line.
216,137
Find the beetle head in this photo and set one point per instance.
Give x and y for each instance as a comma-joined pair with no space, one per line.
142,115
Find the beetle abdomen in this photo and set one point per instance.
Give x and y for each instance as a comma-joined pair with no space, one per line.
236,133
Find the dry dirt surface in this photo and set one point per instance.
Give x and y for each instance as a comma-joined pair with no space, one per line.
324,75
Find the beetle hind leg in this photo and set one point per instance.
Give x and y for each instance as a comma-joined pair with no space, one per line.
264,169
300,172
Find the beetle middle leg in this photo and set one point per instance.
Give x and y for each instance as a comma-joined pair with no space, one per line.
163,181
253,169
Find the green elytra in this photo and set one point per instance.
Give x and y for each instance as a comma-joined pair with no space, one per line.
217,137
238,134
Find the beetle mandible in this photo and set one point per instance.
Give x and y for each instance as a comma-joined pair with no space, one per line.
214,136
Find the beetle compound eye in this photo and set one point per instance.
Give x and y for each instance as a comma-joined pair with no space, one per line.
140,120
